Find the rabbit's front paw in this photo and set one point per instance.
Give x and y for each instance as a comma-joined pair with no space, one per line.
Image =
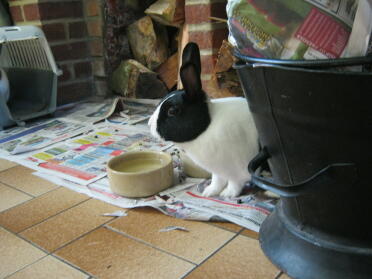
229,193
232,190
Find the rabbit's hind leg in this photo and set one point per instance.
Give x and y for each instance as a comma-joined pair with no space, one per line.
233,189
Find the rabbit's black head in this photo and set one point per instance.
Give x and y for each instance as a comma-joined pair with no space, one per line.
183,114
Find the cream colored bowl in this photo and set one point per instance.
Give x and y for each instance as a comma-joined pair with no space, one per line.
140,174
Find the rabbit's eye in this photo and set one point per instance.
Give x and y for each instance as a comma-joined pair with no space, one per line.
173,111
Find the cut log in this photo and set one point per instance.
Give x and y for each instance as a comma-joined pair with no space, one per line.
133,80
225,58
149,42
229,81
168,71
168,12
226,77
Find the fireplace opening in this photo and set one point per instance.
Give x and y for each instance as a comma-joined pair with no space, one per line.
90,40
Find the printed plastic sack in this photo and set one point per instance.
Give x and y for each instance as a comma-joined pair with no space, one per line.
291,29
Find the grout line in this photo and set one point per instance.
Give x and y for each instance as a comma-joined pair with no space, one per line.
33,197
9,167
18,190
29,242
26,240
279,274
19,204
76,80
26,266
210,256
226,229
72,265
51,253
15,188
75,239
148,244
52,216
82,235
73,41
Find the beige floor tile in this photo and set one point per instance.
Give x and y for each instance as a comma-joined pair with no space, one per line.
49,268
5,164
107,254
15,253
241,258
249,233
30,213
195,245
10,197
22,179
227,226
70,224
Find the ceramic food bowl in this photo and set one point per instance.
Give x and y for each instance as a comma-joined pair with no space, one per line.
140,173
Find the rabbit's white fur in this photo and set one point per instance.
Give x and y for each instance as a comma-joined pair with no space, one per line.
225,147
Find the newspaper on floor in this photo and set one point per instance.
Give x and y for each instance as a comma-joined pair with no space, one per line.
79,164
134,111
90,112
185,201
24,139
83,159
71,121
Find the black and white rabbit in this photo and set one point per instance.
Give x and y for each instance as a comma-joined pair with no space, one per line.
219,135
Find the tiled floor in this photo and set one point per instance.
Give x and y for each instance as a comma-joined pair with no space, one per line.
47,231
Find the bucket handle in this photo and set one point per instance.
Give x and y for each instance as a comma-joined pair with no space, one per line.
321,177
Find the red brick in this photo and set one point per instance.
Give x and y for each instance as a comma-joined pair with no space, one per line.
70,51
208,39
54,31
56,10
96,47
94,28
78,30
16,13
101,87
31,12
66,74
92,7
208,62
202,13
73,92
219,10
83,69
98,67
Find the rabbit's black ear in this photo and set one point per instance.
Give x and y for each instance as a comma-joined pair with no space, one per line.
191,54
191,81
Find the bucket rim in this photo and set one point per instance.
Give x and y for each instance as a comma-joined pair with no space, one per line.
320,70
320,63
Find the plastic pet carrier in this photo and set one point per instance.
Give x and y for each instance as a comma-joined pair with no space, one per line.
28,79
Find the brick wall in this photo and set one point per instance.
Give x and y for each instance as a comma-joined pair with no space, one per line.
74,32
207,33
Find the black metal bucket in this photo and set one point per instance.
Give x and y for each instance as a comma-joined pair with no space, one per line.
315,126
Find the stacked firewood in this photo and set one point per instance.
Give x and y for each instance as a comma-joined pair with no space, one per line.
155,40
153,71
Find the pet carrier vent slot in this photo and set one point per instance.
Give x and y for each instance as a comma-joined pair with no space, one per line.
28,53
